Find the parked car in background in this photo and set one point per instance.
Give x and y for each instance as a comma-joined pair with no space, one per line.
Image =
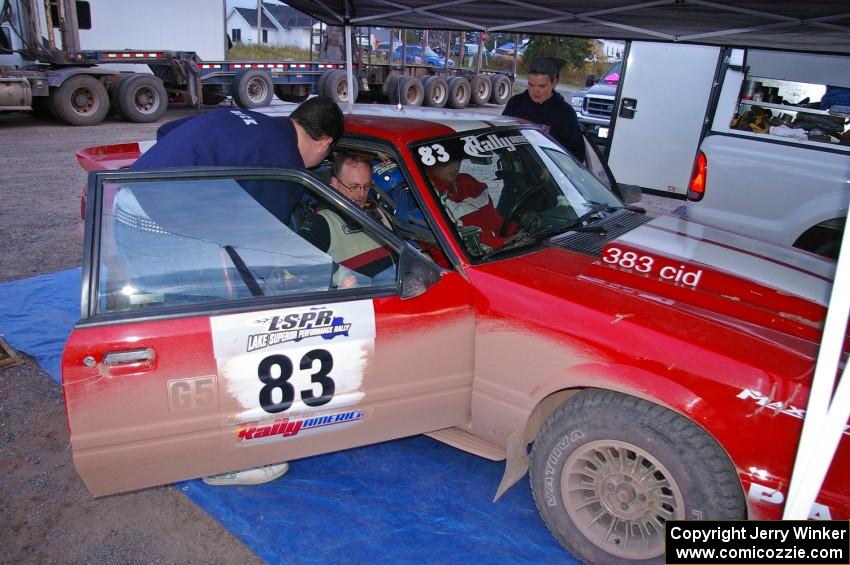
656,369
594,104
415,55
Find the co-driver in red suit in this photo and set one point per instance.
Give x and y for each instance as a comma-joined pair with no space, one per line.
468,202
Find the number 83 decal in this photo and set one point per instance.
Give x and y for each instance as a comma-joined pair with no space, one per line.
275,371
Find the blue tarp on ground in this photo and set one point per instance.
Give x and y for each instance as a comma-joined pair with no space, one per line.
411,500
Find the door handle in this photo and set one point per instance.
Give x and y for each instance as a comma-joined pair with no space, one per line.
127,357
628,108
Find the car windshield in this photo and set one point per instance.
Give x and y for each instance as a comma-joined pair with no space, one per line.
510,188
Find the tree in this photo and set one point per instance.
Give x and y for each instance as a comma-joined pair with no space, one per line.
574,50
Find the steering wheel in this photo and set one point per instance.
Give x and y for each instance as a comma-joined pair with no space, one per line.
517,205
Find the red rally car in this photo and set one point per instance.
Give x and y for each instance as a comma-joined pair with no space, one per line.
641,370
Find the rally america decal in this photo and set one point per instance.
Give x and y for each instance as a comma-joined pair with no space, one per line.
293,361
254,433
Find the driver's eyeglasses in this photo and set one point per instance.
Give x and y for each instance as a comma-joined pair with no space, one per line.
357,187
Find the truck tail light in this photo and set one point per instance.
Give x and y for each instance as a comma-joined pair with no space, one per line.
696,188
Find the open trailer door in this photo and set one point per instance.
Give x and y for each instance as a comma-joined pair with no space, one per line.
660,114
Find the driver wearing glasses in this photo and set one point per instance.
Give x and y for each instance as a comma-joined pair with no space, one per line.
358,254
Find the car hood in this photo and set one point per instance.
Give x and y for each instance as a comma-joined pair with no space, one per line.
604,89
732,279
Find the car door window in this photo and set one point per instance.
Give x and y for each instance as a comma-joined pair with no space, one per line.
183,241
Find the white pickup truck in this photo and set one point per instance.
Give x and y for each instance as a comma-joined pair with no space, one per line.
731,131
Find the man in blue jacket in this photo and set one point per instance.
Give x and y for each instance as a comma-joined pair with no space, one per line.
236,137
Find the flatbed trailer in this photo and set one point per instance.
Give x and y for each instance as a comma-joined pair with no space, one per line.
251,84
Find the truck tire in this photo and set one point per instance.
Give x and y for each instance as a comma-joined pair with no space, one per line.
391,89
142,98
336,87
320,84
81,100
114,86
252,88
608,470
436,92
501,89
481,89
459,92
410,91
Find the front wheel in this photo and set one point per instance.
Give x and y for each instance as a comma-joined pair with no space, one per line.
608,470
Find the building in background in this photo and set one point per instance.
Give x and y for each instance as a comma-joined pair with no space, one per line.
282,26
611,49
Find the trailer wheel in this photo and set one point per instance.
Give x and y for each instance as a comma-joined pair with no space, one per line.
252,89
459,92
320,84
501,89
481,89
410,91
609,470
436,92
391,89
82,100
336,87
142,98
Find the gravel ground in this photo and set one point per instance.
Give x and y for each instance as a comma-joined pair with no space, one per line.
47,513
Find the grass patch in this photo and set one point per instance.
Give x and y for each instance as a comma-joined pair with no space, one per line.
248,52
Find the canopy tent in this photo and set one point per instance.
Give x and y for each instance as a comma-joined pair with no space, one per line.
821,26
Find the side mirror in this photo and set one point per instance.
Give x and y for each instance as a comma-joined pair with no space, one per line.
418,274
590,80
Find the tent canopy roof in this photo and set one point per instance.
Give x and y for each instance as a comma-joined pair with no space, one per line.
818,26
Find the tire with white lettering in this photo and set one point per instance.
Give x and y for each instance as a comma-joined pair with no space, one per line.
481,88
459,92
608,470
142,98
501,89
252,88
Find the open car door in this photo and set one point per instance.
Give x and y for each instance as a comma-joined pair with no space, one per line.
213,337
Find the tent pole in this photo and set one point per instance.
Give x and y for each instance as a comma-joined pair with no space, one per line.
349,67
825,418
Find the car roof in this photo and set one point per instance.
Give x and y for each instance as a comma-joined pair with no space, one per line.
408,124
